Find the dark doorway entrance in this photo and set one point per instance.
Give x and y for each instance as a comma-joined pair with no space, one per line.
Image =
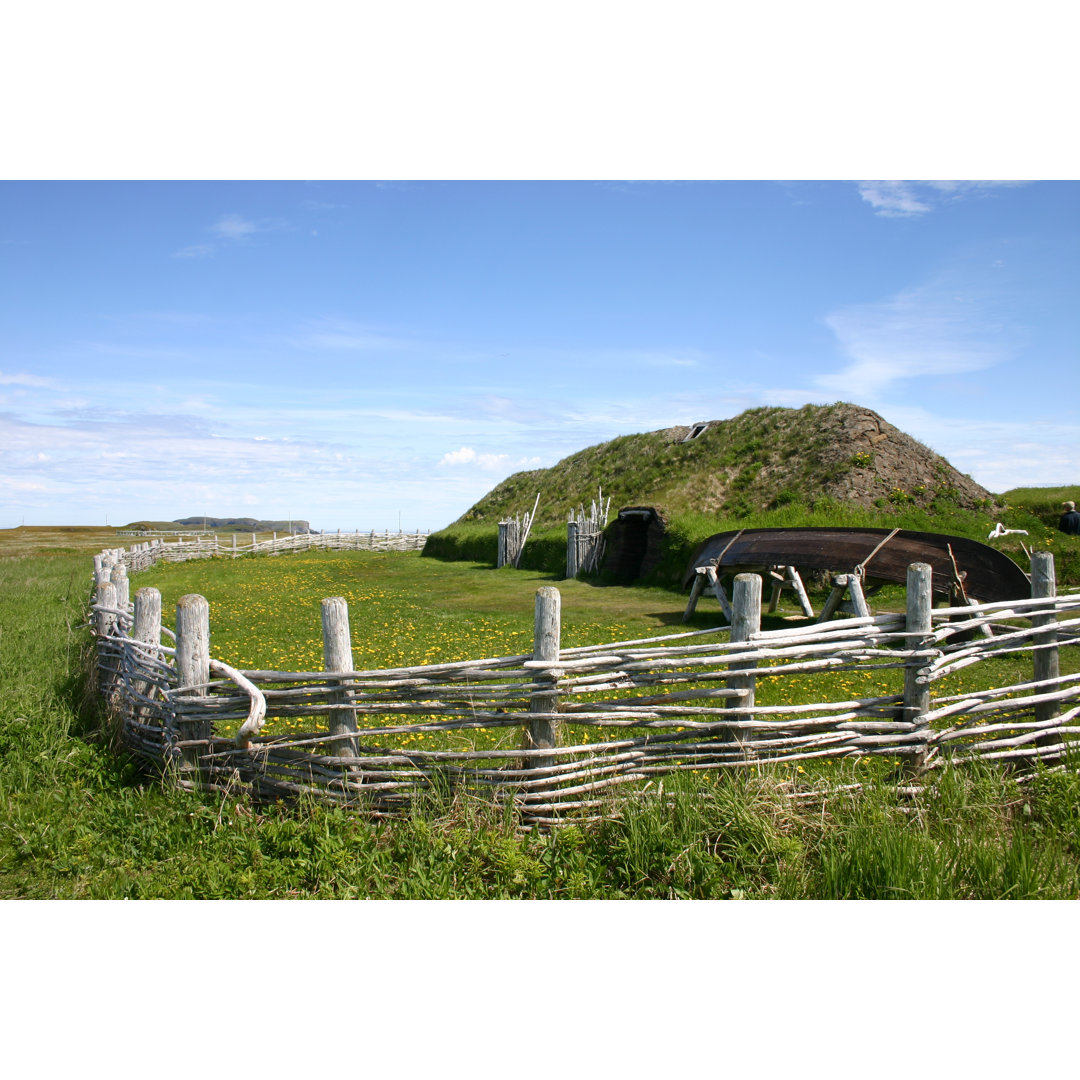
636,546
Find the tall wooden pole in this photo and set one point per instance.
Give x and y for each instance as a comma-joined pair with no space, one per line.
193,673
745,623
543,734
119,577
147,627
337,656
105,626
916,672
1045,662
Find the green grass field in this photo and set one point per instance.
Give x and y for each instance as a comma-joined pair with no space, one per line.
77,821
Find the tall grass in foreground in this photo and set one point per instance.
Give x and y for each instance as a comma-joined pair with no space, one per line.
77,821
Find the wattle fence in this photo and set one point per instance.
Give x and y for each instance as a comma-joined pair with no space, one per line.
146,554
557,733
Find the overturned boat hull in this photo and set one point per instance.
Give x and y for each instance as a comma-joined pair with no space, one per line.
878,554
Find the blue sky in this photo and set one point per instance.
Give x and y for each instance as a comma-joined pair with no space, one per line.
364,353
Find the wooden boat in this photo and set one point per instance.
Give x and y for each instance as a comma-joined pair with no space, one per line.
877,555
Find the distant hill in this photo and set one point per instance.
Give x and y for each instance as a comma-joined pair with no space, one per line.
762,459
244,524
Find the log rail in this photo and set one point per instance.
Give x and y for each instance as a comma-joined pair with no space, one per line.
558,732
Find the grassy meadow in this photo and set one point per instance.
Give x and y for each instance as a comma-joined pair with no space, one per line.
78,821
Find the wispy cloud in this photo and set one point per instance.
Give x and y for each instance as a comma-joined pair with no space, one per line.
913,198
235,227
1000,454
937,329
20,379
468,456
229,229
357,341
195,251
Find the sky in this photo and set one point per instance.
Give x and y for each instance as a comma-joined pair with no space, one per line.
370,354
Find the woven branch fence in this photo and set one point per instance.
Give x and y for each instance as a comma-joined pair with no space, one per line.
558,732
585,537
144,555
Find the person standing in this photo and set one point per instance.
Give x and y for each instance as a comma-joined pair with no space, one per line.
1070,520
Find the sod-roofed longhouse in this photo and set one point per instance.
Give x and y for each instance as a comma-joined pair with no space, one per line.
760,459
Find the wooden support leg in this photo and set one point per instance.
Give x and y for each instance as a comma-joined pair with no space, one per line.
839,585
774,599
800,591
725,605
858,601
986,630
695,591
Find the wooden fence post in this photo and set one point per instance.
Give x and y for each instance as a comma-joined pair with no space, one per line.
920,604
147,627
105,598
337,656
147,616
193,672
118,576
500,557
543,734
571,549
105,626
745,623
1045,661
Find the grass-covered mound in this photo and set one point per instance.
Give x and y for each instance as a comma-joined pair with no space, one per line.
763,459
835,465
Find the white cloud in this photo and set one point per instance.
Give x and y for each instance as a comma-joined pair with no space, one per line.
937,329
21,379
468,456
999,454
911,198
234,227
229,228
892,198
195,251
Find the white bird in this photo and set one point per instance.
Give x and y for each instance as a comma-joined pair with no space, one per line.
1000,530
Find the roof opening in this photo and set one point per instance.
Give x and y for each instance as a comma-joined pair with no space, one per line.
695,431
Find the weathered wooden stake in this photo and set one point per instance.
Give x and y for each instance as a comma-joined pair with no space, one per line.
745,623
104,625
147,625
1045,661
105,598
571,549
500,556
119,577
917,670
193,673
542,734
337,656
